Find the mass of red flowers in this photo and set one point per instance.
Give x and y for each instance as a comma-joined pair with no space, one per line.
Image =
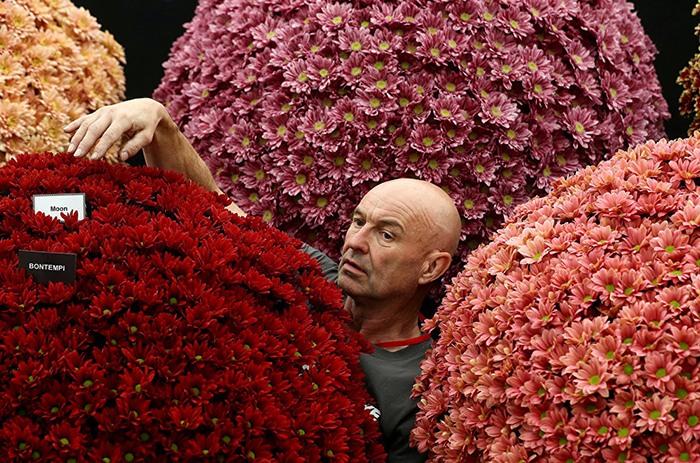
190,334
300,107
575,334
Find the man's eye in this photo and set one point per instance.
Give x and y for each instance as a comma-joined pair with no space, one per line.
387,236
359,222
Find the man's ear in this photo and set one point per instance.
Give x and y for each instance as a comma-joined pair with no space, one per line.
435,265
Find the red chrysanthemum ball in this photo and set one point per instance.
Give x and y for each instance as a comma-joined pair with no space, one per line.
55,66
575,334
190,334
300,107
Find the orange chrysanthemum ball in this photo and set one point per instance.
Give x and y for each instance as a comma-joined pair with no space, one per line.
574,335
55,66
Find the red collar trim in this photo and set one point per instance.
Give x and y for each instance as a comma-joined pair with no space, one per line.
404,342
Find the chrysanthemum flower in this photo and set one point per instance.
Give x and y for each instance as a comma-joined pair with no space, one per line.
549,87
593,290
55,66
689,78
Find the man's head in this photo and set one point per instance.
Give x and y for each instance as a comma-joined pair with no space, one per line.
402,238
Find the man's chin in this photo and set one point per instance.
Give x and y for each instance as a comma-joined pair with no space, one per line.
349,284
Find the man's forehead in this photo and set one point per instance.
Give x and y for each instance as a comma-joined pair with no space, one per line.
380,217
424,209
386,210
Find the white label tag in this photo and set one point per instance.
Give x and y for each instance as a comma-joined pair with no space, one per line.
54,205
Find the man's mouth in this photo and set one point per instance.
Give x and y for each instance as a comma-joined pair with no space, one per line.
348,264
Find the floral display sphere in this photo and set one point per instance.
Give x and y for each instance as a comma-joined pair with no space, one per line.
300,107
190,334
55,66
689,79
574,335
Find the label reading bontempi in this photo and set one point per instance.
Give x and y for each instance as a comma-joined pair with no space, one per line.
54,205
49,266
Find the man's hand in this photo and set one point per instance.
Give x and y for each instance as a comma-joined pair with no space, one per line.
149,127
137,119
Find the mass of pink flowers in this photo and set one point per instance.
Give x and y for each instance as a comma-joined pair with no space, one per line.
55,66
190,334
300,107
574,336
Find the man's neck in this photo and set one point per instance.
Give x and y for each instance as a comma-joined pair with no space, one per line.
385,322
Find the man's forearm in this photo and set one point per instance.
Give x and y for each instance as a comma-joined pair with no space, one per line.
171,150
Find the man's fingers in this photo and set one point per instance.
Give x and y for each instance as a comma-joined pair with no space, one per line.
108,137
88,134
133,146
79,134
96,133
73,126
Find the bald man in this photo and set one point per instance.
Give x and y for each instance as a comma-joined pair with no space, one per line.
401,240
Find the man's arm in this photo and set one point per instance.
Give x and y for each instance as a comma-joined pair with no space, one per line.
328,266
148,126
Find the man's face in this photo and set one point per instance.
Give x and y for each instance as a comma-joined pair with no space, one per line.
385,247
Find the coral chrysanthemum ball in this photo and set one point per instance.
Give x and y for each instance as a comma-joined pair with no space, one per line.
190,334
299,108
55,66
574,335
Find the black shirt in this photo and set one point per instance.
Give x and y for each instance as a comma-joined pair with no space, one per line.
389,379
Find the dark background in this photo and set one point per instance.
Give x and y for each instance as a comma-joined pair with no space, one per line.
147,28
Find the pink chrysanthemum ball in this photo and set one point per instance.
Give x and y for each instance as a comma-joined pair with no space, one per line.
55,66
299,108
574,335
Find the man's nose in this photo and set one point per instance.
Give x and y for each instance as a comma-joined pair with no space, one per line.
357,240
